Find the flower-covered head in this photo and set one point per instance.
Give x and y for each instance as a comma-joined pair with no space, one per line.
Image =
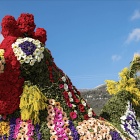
21,40
22,45
24,26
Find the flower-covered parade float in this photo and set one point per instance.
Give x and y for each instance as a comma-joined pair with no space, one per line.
37,99
123,109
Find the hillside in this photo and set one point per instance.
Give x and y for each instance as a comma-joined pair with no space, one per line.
96,97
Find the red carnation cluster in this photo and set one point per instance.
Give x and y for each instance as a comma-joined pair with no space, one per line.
9,27
26,24
81,108
10,81
23,27
41,35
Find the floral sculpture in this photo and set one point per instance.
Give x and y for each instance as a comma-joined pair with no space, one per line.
37,99
123,109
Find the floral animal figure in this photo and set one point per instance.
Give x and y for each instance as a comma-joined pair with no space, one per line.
37,100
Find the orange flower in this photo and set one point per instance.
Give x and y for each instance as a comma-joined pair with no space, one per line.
25,137
67,131
24,125
90,122
23,131
64,114
65,120
79,127
57,104
50,118
102,122
60,108
87,137
85,123
89,127
79,123
103,134
82,138
95,129
50,125
109,137
52,132
70,138
103,130
19,136
99,137
52,102
53,137
65,126
86,132
49,107
51,112
92,134
81,132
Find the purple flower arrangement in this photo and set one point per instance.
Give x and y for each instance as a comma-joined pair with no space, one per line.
115,135
12,128
3,138
27,47
129,123
28,50
37,128
74,132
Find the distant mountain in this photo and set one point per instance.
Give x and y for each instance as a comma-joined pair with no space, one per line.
96,97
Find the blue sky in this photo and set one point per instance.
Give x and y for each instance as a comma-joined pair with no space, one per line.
91,41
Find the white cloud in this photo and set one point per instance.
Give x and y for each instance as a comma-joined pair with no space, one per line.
136,15
134,36
1,38
115,58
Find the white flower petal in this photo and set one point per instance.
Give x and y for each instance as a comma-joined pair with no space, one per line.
70,94
123,117
42,55
63,79
71,100
73,105
32,62
66,87
27,60
39,59
37,52
42,49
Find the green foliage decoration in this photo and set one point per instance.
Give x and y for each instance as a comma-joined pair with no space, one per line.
115,108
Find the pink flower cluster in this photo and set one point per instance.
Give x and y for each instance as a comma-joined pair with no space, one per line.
23,130
57,122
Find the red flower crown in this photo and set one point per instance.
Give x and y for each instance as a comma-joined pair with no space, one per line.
22,27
